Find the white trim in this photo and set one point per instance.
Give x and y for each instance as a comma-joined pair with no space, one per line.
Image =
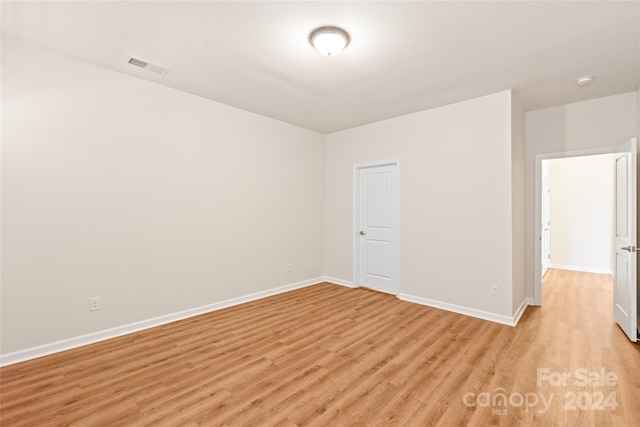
520,311
578,268
82,340
340,282
480,314
356,219
537,262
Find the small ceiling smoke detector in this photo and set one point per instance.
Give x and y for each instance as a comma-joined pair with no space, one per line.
329,41
147,65
585,80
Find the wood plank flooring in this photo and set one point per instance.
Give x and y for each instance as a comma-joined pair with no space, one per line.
331,356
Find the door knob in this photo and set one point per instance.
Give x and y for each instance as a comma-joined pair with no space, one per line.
629,248
362,233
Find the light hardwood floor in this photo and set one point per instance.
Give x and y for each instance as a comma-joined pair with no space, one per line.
329,356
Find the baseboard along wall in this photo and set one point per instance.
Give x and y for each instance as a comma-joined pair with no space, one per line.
82,340
79,341
583,269
480,314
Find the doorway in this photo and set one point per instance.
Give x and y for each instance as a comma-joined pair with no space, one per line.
624,230
376,226
577,213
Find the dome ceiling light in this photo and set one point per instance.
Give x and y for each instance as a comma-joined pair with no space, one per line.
329,41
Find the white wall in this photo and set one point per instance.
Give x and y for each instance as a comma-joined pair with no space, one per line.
154,199
455,200
601,122
581,213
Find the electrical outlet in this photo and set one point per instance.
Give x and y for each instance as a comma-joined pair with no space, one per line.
495,290
94,304
287,268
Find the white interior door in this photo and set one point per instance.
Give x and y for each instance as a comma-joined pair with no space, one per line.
546,223
377,221
624,242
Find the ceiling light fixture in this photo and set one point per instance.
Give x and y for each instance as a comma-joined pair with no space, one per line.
585,80
329,41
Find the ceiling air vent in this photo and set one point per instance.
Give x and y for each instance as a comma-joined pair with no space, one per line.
147,65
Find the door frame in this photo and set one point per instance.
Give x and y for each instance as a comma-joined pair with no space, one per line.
544,207
537,238
356,219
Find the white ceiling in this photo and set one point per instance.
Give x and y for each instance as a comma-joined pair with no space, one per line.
403,57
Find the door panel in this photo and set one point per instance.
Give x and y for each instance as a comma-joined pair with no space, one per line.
377,228
621,290
624,276
378,196
378,259
621,196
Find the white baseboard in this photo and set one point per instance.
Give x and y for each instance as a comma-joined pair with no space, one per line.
520,311
341,282
67,344
480,314
583,269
